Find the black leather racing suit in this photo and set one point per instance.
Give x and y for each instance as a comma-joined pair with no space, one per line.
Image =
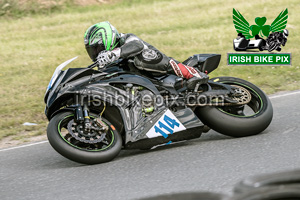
147,57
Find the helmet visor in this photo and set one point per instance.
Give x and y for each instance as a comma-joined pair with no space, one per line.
94,50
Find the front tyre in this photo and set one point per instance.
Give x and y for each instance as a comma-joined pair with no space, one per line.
89,148
239,121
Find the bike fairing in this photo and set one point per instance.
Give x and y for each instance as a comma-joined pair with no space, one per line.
135,120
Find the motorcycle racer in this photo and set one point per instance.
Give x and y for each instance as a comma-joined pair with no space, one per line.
279,38
105,45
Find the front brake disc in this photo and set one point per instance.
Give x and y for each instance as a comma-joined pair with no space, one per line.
87,136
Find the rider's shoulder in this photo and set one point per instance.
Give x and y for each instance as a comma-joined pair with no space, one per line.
129,37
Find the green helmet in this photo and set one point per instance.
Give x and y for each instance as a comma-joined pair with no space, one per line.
99,37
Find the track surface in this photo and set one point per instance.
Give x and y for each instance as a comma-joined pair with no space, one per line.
212,163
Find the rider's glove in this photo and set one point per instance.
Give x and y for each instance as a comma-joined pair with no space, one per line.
106,57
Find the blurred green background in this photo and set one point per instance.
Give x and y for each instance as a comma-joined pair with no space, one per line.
37,35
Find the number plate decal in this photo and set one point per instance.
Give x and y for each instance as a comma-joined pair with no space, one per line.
167,124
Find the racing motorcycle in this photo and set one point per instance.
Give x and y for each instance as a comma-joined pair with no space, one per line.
95,112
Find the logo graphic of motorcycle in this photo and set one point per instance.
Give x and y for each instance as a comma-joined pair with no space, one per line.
276,34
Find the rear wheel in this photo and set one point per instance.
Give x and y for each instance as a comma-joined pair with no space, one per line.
100,144
239,121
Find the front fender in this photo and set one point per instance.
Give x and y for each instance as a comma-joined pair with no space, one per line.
62,110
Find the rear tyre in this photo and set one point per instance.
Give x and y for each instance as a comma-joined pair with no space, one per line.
70,147
239,121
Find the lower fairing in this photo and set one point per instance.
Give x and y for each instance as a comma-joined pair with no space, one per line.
187,126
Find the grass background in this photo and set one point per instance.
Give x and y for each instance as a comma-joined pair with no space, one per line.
34,43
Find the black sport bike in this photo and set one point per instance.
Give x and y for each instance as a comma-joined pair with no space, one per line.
95,112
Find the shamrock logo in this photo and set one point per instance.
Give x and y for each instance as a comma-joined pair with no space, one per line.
260,28
242,25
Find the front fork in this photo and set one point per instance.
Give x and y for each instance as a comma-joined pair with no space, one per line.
87,119
82,116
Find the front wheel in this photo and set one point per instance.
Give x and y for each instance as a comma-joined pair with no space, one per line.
272,46
99,144
239,121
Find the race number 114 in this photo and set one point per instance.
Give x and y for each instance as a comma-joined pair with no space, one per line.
168,125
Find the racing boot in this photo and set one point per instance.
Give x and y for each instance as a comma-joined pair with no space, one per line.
190,73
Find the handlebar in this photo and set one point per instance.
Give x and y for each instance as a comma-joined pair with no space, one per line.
96,64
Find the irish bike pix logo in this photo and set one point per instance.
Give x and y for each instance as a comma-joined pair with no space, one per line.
254,40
